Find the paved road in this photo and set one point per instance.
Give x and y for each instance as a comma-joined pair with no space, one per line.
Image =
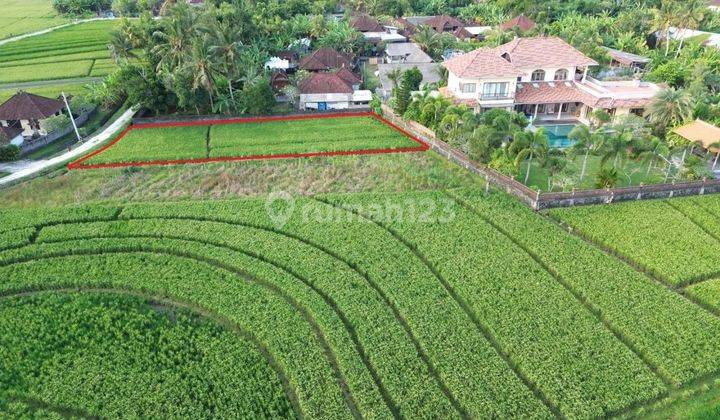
27,168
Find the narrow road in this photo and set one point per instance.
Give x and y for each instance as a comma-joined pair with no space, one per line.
27,168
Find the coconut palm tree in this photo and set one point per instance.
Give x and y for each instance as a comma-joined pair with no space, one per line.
528,145
615,148
120,47
395,75
201,67
663,19
427,39
689,16
586,142
225,45
670,107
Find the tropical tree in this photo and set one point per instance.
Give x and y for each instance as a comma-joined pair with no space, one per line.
586,142
428,40
607,177
689,16
225,45
528,145
201,67
394,75
670,107
664,18
615,147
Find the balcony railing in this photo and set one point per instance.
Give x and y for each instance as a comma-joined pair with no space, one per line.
494,96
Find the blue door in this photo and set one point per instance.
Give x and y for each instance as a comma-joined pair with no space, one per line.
322,106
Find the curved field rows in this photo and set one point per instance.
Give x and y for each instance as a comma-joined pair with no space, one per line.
364,316
83,354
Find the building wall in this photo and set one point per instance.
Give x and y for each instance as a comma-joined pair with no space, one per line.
454,83
332,100
549,73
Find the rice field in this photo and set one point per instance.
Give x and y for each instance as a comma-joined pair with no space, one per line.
76,51
436,304
23,16
250,140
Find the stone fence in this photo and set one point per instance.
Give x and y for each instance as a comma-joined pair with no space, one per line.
545,200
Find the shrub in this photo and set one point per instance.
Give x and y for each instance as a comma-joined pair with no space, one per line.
55,123
9,153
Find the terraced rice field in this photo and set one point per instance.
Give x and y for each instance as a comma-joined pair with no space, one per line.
419,304
23,16
75,51
205,142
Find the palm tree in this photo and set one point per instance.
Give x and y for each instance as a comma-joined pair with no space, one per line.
657,150
663,19
394,75
615,148
201,67
689,16
120,46
225,45
670,107
530,144
427,39
585,141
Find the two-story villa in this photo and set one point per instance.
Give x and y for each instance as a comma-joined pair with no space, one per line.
544,77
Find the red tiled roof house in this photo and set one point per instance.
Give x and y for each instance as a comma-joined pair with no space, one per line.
325,59
25,111
544,77
337,90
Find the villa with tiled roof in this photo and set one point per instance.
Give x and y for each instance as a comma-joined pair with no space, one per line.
544,77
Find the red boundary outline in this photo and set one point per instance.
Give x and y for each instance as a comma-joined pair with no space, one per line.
79,163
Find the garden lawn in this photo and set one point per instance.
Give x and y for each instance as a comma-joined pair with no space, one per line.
304,136
253,139
634,173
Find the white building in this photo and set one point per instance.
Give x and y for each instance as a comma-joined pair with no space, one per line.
544,77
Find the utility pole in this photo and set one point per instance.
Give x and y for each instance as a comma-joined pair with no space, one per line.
72,119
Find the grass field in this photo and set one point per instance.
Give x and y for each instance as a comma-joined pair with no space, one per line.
76,51
252,139
22,16
461,303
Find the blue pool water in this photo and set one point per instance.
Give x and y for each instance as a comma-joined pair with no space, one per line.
558,135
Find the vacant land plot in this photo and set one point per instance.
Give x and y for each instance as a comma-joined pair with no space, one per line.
22,16
250,139
459,304
65,53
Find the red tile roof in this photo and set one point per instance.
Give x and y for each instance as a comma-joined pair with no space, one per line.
483,62
442,23
365,23
26,106
8,133
324,83
550,93
324,59
348,76
517,57
551,51
523,22
462,33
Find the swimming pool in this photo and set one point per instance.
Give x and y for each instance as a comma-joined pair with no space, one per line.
558,135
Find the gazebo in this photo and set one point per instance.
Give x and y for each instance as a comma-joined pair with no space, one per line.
704,133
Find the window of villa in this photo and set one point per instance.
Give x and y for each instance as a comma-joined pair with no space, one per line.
467,87
538,76
561,74
496,90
